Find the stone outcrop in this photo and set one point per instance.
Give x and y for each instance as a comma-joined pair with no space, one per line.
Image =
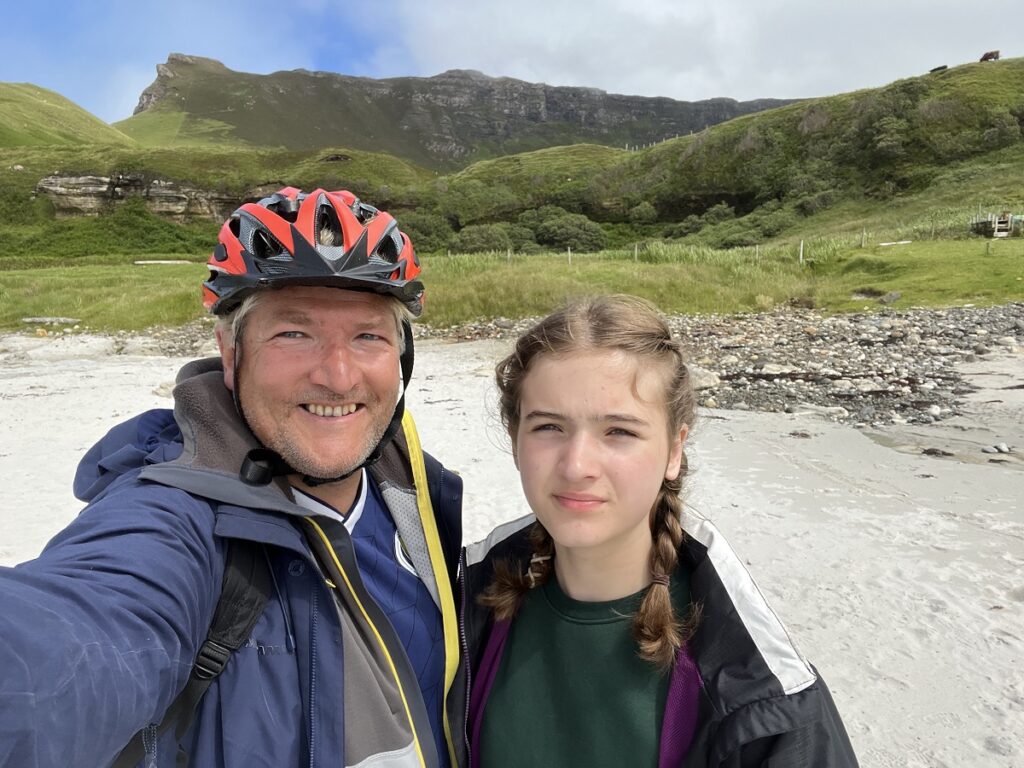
450,118
89,195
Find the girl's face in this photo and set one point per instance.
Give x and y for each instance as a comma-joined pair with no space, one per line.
592,449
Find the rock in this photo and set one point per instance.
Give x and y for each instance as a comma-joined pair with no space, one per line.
710,402
934,411
1006,341
774,369
49,320
989,449
703,378
88,195
809,409
17,167
449,115
1002,447
890,297
937,452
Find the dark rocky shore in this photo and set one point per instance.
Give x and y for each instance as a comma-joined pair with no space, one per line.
879,368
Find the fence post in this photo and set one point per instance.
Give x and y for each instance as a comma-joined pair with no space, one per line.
508,255
801,251
863,237
636,253
569,250
757,250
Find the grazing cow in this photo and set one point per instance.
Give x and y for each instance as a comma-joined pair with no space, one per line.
990,56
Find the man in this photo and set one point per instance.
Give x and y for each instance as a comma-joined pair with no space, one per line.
293,445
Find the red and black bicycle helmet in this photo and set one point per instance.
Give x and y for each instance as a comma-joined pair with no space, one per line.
316,238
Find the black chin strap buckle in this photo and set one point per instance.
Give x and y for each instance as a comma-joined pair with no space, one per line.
261,466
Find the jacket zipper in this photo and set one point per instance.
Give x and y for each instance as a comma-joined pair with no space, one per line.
312,672
464,648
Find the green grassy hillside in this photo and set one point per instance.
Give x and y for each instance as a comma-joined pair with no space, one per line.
34,116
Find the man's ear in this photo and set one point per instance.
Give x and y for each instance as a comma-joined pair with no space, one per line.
227,356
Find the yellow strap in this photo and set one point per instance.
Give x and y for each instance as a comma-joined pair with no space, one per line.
449,618
373,628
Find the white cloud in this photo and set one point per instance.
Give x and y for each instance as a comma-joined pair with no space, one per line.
691,50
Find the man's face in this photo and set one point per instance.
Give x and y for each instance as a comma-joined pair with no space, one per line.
319,375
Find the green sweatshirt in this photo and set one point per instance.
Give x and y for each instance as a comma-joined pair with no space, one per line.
572,690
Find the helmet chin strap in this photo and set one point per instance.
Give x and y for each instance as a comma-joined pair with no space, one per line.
261,465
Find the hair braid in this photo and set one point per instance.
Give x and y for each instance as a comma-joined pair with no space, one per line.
655,627
507,591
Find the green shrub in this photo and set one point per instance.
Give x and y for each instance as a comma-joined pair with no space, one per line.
477,238
688,226
522,238
719,213
643,213
574,231
429,232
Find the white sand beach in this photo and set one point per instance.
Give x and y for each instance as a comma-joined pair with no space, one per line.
900,575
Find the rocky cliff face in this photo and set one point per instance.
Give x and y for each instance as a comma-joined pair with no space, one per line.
447,119
89,195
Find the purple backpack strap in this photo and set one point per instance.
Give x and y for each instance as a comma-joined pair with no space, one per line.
482,685
680,722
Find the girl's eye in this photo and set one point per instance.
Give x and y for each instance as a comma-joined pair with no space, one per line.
620,432
545,428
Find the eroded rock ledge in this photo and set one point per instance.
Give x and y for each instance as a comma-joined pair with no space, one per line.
73,195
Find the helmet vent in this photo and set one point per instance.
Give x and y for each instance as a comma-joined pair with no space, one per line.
265,246
328,228
390,247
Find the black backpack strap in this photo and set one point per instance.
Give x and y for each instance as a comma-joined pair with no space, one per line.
246,589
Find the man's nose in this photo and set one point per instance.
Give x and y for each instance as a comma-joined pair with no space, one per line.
336,368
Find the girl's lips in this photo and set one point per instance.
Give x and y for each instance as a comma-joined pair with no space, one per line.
579,501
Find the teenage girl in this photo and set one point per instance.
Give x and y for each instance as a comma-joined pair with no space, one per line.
611,627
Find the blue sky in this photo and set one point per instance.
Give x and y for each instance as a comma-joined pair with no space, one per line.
103,54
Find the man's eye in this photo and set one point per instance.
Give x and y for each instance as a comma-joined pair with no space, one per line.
291,334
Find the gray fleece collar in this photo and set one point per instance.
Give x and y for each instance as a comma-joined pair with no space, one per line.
216,442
